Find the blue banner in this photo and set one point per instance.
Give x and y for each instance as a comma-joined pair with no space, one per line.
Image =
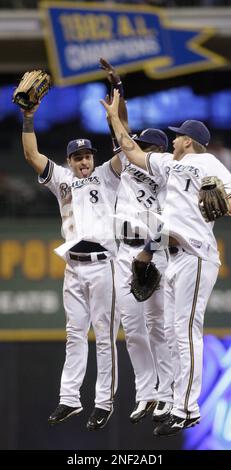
131,38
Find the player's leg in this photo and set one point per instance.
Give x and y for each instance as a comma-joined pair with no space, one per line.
105,321
154,313
137,339
77,326
194,282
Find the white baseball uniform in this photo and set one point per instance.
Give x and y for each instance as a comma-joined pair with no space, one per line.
86,207
139,197
192,271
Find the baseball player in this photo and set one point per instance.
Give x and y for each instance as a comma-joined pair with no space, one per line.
194,263
86,198
140,195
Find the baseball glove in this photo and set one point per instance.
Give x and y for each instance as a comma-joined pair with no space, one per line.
31,89
112,75
212,198
145,280
116,83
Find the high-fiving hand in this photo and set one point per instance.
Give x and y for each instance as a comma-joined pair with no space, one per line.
113,107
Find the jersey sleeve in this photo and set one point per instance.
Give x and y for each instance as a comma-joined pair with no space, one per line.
158,165
53,176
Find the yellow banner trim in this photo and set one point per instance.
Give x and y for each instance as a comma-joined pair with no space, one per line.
60,334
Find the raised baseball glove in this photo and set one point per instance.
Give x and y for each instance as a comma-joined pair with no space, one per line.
31,89
145,279
212,199
112,75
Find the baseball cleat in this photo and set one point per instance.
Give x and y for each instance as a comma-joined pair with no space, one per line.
161,411
142,409
174,424
63,412
189,423
98,419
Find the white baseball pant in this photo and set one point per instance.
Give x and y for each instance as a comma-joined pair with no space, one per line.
140,346
89,297
189,283
154,314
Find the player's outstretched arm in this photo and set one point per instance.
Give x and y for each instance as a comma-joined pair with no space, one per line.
116,83
29,142
128,146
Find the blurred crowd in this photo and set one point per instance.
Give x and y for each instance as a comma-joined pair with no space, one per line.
160,3
21,197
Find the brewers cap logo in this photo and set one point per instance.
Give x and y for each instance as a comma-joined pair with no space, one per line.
80,142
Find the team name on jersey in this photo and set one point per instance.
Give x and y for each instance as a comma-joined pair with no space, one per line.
178,167
64,189
140,177
84,181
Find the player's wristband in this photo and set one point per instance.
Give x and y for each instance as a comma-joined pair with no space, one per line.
28,124
148,247
151,245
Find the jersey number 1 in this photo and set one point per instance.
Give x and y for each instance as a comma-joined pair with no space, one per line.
187,184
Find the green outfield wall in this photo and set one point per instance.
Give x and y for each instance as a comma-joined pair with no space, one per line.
31,276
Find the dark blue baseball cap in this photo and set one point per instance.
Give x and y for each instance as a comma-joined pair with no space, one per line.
75,145
153,137
194,129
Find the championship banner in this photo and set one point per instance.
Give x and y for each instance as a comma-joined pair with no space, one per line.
132,38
